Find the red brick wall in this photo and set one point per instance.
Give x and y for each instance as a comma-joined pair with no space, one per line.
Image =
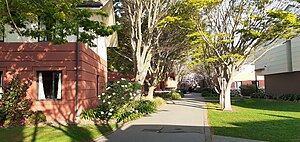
25,59
261,83
113,76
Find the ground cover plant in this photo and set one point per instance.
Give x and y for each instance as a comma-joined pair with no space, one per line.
258,119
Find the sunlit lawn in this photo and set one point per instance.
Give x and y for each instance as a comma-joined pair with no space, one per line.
257,119
54,133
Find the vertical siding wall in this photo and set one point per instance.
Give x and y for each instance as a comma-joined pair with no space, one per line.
25,59
280,84
274,61
90,66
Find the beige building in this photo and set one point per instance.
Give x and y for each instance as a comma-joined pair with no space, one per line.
281,68
247,76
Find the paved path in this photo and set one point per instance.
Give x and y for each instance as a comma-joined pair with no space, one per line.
183,120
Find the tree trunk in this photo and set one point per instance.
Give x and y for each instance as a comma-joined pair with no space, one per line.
226,89
227,98
150,93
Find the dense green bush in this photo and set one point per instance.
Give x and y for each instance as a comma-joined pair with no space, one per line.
116,101
117,95
128,112
290,97
259,94
197,90
36,118
174,96
14,108
159,101
181,94
90,114
235,92
248,90
146,107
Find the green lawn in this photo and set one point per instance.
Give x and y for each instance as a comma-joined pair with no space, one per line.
257,119
54,133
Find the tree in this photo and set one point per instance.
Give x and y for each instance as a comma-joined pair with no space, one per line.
229,32
171,48
142,19
54,19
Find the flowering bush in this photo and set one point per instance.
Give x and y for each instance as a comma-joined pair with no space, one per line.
116,98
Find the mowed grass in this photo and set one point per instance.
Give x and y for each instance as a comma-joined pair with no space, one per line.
70,133
257,119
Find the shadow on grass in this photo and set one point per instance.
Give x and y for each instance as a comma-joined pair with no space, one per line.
258,119
57,132
285,130
272,105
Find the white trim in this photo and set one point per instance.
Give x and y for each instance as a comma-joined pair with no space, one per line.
59,87
41,93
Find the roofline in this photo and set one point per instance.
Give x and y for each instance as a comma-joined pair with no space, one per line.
90,5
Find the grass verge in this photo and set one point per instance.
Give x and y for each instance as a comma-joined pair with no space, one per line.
70,133
257,119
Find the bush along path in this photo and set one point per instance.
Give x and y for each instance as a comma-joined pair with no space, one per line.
119,103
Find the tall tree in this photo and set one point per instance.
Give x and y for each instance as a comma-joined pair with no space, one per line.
229,32
143,16
54,19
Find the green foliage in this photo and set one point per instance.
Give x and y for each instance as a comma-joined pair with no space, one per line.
36,118
90,114
181,94
290,97
259,94
235,92
118,97
159,101
248,90
174,96
14,108
146,107
61,18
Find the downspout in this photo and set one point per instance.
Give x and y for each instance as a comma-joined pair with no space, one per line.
77,77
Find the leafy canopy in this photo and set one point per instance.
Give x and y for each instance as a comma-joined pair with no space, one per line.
57,20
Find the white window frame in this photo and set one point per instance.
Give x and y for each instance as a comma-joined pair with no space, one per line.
40,87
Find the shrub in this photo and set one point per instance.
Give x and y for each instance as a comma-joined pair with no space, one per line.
159,101
36,118
116,101
181,94
174,96
197,90
248,90
235,92
91,114
290,97
146,107
116,96
14,108
128,112
260,94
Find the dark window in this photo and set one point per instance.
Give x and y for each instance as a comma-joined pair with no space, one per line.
255,82
49,85
238,84
1,91
2,33
97,85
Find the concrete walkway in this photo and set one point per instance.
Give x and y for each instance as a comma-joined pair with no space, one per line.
183,120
